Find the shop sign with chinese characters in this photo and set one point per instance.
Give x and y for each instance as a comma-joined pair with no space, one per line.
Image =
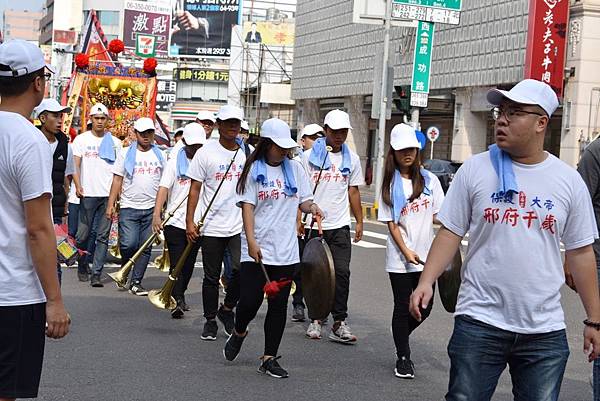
200,75
546,42
442,11
422,63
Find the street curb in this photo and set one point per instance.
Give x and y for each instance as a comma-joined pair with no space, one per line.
369,211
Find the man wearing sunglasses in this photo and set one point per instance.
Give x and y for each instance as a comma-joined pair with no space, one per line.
518,204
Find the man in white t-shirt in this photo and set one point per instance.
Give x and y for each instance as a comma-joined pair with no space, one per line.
31,304
518,203
223,223
175,186
94,153
335,176
137,173
208,120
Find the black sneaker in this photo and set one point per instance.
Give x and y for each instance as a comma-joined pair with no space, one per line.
137,289
233,346
272,368
95,281
405,368
83,277
177,313
227,317
184,305
298,315
210,330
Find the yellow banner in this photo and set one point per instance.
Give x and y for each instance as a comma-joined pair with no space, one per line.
77,85
270,33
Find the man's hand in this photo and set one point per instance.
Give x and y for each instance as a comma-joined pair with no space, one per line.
358,231
569,278
110,210
300,228
156,224
79,191
254,251
188,21
420,299
191,231
411,256
57,320
591,342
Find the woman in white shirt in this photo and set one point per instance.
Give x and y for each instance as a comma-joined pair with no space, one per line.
270,190
411,199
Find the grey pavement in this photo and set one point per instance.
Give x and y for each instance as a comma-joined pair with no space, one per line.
123,348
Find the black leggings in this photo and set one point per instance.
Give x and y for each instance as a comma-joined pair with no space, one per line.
252,282
403,324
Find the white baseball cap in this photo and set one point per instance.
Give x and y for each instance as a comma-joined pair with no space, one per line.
99,108
311,129
528,91
245,125
194,134
144,124
206,115
228,112
22,57
337,119
52,106
403,136
279,132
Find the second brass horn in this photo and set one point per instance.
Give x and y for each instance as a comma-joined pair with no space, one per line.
120,276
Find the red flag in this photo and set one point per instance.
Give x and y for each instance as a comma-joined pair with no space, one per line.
94,42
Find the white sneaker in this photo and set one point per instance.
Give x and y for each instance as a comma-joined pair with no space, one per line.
343,334
314,330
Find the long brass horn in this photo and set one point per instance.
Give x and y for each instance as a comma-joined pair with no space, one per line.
120,276
162,298
162,262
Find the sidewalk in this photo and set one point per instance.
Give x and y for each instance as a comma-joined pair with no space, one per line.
367,196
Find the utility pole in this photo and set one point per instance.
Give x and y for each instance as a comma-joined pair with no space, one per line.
383,107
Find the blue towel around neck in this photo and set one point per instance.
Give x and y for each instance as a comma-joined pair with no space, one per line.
259,174
399,198
107,150
320,157
182,163
502,162
129,163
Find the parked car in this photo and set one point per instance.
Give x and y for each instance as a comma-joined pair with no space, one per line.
443,169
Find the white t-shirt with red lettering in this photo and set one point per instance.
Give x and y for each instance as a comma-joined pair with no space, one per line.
513,271
179,188
96,174
139,191
275,215
416,225
332,190
209,166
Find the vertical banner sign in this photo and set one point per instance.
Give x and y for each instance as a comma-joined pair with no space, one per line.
76,86
145,20
419,91
546,42
202,28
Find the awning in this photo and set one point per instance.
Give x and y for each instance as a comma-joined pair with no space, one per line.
187,111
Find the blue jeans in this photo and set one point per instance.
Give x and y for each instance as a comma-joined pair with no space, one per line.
480,352
73,219
92,214
135,226
58,220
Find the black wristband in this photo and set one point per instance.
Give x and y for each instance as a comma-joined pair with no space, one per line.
589,323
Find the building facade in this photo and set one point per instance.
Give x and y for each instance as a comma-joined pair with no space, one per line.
335,59
21,25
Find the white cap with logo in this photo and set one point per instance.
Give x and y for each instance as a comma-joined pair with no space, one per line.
311,129
194,134
528,91
98,109
52,106
144,124
22,58
337,119
228,112
403,136
206,115
279,132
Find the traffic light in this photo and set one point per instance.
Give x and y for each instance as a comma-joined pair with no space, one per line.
402,103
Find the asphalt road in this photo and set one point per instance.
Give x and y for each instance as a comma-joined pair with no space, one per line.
123,348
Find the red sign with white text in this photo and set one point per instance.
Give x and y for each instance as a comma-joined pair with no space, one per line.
546,42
